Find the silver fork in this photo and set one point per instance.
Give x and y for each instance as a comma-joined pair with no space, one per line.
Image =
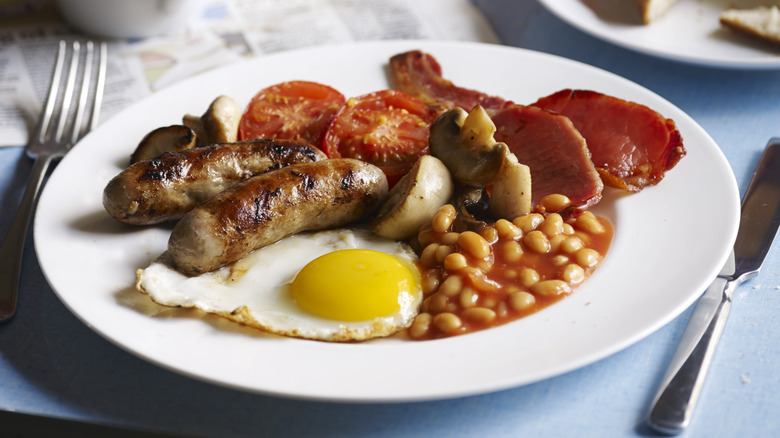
58,129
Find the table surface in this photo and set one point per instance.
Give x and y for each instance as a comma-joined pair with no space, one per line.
51,364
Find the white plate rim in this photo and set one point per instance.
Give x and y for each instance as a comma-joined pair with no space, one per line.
580,16
69,216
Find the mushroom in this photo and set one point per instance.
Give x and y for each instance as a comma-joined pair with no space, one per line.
219,124
172,138
510,195
471,204
465,143
414,200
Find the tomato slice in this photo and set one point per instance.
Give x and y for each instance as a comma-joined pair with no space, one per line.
388,128
294,110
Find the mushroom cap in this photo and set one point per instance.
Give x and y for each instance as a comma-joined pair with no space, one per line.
464,143
219,124
414,200
172,138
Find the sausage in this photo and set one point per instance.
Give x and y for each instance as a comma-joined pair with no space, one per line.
273,205
164,188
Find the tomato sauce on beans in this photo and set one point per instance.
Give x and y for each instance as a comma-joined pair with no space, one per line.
476,280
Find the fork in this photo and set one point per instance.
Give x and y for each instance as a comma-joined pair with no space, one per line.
58,129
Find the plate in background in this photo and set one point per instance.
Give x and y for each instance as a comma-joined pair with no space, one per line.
689,31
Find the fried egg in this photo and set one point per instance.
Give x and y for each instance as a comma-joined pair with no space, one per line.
336,285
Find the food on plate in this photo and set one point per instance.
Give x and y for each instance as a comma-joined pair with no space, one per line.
273,288
762,22
464,142
265,208
419,74
295,110
472,205
634,149
412,202
493,197
387,128
174,138
628,169
758,20
510,194
477,280
166,187
219,124
652,9
555,152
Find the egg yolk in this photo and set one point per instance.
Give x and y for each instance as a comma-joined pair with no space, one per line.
354,285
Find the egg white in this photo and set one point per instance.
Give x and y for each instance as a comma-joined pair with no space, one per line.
255,290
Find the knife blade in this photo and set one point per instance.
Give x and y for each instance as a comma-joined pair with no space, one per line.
674,405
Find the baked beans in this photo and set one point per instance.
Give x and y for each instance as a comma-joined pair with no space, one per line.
473,280
554,203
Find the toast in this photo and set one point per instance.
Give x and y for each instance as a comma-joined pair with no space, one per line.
761,22
652,9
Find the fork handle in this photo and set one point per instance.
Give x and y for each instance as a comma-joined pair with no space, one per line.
12,250
674,405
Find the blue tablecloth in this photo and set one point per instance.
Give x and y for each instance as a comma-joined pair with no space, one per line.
52,364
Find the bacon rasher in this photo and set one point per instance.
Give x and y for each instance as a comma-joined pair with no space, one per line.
419,74
631,145
554,151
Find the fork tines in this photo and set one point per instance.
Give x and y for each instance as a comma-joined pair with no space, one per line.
46,145
81,63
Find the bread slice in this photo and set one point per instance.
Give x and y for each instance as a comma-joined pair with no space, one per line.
652,9
761,22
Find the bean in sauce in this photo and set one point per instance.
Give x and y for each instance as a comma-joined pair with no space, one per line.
477,280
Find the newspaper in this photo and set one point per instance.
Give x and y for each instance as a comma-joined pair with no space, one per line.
226,31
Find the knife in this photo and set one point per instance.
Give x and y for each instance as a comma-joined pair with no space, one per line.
676,400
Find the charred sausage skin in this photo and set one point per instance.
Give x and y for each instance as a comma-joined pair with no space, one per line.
166,187
273,205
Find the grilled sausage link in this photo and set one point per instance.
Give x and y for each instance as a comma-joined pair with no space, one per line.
164,188
273,205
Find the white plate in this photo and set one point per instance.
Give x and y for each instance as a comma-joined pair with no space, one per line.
670,241
688,32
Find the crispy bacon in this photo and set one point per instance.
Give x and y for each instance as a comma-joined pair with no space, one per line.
555,152
419,74
631,145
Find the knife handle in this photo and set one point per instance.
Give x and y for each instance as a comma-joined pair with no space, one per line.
674,405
